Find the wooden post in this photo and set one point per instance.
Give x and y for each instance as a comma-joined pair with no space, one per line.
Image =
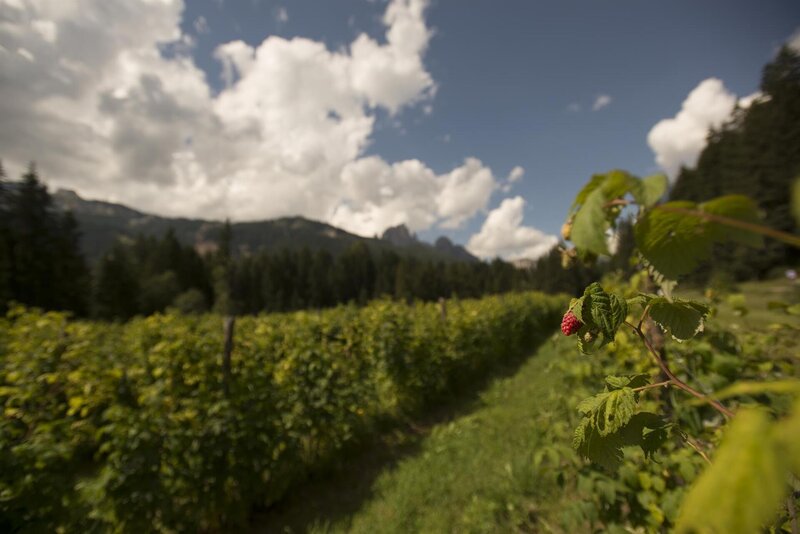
229,323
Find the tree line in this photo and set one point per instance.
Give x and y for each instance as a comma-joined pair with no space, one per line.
41,265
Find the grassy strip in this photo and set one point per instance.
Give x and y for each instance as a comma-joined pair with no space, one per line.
472,473
476,473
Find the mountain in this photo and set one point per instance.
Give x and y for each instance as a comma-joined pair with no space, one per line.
102,223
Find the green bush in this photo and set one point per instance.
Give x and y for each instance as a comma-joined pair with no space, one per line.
128,427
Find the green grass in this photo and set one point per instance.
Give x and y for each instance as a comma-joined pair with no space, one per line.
470,473
470,467
756,297
474,474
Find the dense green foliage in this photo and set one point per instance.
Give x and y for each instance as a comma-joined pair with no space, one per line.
507,464
742,490
129,428
756,153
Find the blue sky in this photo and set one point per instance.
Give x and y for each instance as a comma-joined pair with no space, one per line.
507,73
512,83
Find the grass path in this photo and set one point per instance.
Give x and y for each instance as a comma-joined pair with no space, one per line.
471,472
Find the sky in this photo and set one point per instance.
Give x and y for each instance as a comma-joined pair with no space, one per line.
474,119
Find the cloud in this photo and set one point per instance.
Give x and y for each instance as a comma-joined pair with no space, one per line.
503,234
379,195
794,41
464,191
678,141
600,102
281,15
92,97
201,25
574,107
514,176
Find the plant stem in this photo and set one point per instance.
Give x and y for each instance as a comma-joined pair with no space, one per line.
656,385
674,379
689,441
736,223
792,512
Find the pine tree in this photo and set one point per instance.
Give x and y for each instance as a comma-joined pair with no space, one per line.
6,243
116,289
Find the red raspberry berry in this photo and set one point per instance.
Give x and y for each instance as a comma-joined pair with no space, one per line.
570,324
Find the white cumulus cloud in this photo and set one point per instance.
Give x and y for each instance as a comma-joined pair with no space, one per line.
794,41
504,235
93,100
678,141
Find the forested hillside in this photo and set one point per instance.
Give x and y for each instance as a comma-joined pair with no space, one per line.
756,153
300,264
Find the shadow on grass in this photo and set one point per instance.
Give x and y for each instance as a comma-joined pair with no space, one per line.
331,495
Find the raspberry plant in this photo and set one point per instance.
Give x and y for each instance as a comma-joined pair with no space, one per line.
746,483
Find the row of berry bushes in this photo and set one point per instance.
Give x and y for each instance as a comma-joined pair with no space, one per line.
129,428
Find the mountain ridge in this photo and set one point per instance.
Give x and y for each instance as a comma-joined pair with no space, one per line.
102,223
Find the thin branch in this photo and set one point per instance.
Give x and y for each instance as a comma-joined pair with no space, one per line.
736,223
617,202
689,441
792,513
665,383
644,316
674,379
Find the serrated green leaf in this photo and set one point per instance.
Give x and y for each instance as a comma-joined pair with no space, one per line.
600,308
618,183
629,381
588,340
616,411
593,289
737,207
681,318
589,226
591,404
609,411
593,184
606,450
576,307
652,440
675,237
653,188
673,243
619,311
666,285
638,300
603,311
741,491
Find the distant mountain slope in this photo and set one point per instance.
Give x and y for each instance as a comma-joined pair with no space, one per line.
101,223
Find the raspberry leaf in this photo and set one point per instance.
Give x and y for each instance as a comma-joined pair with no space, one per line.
750,468
589,226
651,190
626,381
681,318
675,237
